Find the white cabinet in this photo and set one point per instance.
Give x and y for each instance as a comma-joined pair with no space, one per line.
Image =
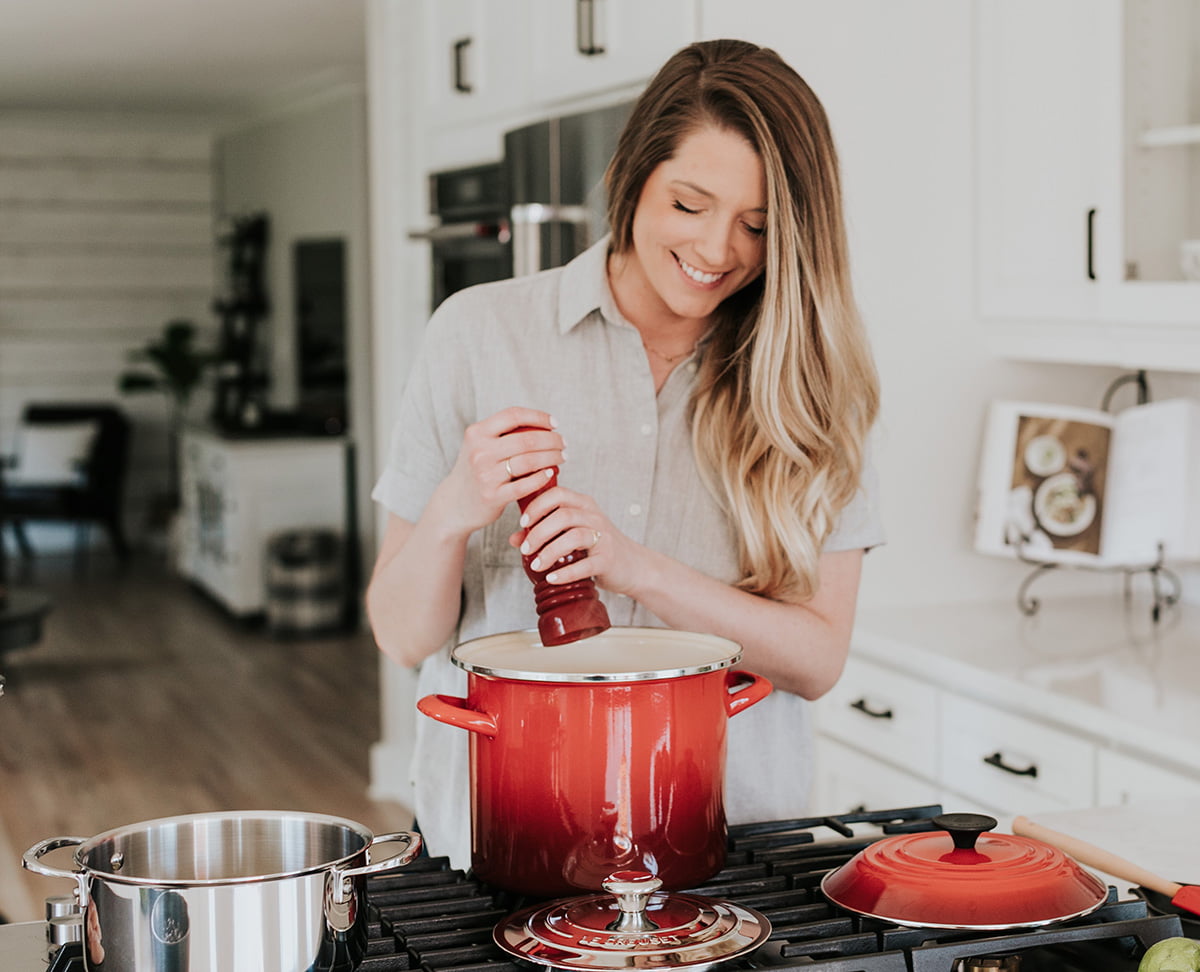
1121,779
846,779
476,59
586,47
1011,761
1083,199
237,493
885,713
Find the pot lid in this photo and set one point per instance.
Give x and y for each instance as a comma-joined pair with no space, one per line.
962,877
632,927
616,655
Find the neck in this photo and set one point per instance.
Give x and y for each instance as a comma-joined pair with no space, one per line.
665,335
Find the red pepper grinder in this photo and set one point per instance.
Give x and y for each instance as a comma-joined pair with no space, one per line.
566,612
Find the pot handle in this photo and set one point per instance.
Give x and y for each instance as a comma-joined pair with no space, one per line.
31,860
340,898
453,711
756,689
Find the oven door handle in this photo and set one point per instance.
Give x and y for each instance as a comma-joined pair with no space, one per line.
463,231
528,218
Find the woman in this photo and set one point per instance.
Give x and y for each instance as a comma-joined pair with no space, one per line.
703,380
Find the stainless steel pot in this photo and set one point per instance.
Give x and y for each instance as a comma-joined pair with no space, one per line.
239,892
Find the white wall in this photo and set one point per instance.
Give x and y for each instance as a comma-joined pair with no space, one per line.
105,235
306,168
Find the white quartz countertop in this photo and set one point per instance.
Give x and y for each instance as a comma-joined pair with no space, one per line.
1159,836
1096,665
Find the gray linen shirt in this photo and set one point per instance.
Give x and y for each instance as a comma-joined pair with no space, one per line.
556,341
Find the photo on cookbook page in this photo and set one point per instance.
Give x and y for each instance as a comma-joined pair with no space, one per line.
1056,493
1044,482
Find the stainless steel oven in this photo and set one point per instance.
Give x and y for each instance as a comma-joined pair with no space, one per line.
470,238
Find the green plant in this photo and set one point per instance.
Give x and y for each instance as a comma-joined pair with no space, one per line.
176,366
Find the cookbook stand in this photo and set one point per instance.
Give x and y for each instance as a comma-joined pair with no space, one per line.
1164,583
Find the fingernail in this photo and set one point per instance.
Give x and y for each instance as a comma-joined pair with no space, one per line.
524,521
552,578
549,473
525,547
564,455
537,563
553,422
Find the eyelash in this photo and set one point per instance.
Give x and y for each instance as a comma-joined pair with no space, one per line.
753,230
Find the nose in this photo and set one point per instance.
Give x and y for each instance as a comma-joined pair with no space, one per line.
715,244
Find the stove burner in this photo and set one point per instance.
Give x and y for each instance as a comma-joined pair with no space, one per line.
430,918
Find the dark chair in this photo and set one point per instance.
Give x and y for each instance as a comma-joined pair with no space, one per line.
94,495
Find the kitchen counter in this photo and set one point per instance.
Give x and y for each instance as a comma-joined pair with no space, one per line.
1159,836
1097,665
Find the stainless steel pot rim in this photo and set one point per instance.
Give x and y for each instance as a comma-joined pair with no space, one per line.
505,656
89,845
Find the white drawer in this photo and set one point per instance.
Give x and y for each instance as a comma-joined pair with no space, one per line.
1121,779
892,716
1013,763
848,780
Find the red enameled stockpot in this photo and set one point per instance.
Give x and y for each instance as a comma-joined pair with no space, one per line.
601,755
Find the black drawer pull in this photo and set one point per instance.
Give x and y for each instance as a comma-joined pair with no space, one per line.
997,760
865,709
459,62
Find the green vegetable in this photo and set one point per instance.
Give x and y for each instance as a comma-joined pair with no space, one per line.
1172,955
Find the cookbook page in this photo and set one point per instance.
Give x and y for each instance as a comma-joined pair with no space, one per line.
1044,482
1152,484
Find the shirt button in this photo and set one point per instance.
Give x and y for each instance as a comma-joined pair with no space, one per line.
635,509
647,428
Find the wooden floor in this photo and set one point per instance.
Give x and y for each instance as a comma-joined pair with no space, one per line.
145,700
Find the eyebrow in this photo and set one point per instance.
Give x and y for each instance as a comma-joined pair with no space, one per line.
708,195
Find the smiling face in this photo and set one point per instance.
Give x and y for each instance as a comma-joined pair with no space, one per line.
698,231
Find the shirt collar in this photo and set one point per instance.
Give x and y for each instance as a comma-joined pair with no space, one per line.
584,287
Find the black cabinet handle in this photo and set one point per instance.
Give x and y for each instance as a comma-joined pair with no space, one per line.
861,705
1091,244
587,38
461,83
997,760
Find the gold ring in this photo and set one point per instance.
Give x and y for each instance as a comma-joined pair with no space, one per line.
595,538
508,469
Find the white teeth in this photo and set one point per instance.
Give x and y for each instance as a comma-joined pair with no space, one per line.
698,276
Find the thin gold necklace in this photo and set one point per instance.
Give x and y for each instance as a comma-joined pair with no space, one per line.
670,358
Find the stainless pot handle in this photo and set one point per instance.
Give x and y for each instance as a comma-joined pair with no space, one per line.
31,860
341,878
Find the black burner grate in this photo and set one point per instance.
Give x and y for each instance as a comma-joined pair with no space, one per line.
431,918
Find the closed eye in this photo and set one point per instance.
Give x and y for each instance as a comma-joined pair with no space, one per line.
756,230
683,209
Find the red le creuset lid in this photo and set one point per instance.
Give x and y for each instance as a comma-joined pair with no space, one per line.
960,876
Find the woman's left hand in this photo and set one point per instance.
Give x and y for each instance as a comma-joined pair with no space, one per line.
561,521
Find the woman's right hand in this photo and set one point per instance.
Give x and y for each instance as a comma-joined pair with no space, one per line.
497,465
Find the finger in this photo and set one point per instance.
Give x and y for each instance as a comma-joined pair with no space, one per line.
577,540
517,417
520,464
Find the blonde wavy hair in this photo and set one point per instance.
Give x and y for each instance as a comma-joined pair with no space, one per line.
787,390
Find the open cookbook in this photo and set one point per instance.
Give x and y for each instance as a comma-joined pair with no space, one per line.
1060,484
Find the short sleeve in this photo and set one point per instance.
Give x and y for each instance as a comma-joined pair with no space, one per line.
860,526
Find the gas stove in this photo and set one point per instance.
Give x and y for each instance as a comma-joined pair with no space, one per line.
432,918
